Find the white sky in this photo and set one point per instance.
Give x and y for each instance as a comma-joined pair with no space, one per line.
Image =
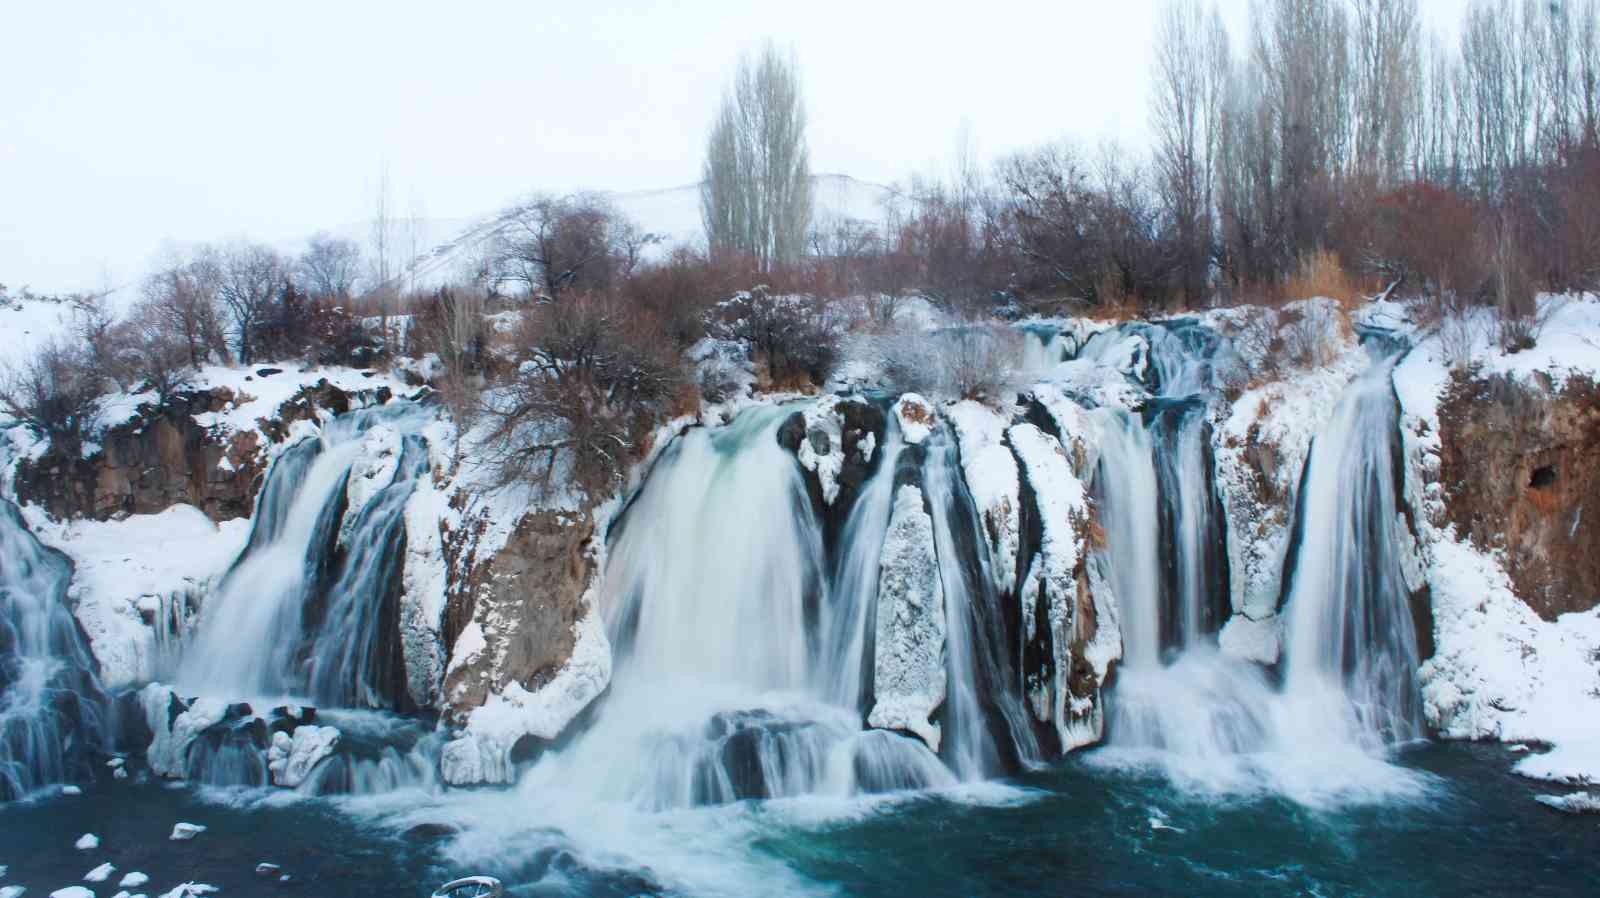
124,125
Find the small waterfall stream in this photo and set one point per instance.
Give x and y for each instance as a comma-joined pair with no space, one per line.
985,726
298,578
1352,648
53,711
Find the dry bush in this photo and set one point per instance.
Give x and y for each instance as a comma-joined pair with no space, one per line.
54,394
795,336
976,360
1321,274
1311,333
678,292
593,379
449,325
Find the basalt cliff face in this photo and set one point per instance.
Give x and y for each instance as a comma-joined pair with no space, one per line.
1520,470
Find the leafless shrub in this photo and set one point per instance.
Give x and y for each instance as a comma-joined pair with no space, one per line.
591,382
449,326
976,360
181,299
794,336
54,395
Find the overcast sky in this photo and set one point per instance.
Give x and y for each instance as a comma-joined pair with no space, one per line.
125,125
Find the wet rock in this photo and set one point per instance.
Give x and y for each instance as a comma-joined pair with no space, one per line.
431,832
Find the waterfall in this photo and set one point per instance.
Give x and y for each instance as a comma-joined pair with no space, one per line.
986,730
852,606
1125,491
348,664
52,708
720,691
1194,579
1352,647
292,585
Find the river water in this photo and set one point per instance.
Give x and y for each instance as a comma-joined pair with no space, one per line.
1081,827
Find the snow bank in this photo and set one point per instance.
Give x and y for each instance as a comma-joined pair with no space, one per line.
908,667
494,728
131,578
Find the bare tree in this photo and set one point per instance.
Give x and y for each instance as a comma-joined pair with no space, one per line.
251,275
1191,49
1388,75
329,266
54,394
755,196
1301,49
553,245
181,298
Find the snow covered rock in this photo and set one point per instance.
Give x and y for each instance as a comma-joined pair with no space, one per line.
916,417
1573,803
542,713
175,726
1259,451
1069,612
190,890
533,655
1498,670
990,471
425,577
292,758
373,469
908,666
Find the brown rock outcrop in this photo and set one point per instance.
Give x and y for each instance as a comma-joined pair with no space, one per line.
520,605
1520,469
163,457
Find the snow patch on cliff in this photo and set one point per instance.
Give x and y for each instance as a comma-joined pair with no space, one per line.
494,728
131,579
908,667
990,472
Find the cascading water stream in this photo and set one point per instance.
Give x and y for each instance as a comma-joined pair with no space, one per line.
979,683
851,610
1352,647
718,693
254,630
348,666
53,711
